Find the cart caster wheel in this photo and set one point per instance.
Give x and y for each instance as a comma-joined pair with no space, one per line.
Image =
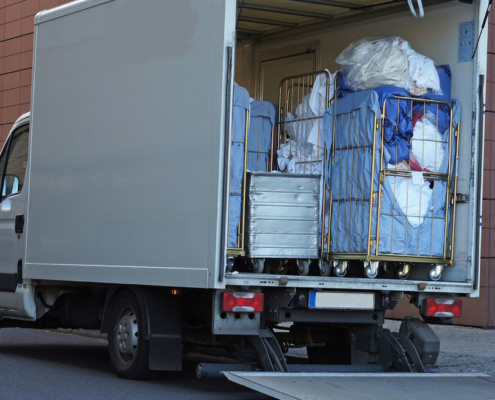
436,273
258,265
303,267
281,269
325,269
403,271
340,268
230,264
371,269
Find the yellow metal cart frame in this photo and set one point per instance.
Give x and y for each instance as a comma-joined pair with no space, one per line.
372,257
239,250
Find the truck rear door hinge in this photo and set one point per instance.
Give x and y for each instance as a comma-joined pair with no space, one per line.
462,198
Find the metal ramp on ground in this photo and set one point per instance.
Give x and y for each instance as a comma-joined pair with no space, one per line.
355,386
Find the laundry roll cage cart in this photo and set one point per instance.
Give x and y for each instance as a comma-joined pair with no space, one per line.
367,223
284,210
238,250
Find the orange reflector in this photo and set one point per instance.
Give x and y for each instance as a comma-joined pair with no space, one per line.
243,302
442,308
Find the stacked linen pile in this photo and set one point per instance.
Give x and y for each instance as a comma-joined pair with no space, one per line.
416,139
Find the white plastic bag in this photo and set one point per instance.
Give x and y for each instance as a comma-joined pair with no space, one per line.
369,63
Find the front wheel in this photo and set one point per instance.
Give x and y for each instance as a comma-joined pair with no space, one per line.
129,352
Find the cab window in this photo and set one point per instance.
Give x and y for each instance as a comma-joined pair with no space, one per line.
14,170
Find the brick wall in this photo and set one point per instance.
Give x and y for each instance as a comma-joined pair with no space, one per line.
16,57
488,231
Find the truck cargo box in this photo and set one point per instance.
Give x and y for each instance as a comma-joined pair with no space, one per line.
132,127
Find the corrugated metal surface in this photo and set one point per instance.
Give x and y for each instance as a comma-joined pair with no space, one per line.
262,18
282,215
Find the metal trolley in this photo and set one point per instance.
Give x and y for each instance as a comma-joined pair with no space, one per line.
256,140
366,221
281,216
297,213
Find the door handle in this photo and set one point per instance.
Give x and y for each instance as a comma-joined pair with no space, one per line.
19,223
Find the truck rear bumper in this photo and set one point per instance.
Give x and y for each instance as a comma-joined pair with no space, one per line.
321,282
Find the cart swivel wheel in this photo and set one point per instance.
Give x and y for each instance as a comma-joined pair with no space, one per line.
258,265
436,273
325,269
371,269
303,267
403,271
340,268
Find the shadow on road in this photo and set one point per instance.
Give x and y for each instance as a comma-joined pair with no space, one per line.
79,358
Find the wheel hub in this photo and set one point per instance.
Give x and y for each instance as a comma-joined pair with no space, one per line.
126,335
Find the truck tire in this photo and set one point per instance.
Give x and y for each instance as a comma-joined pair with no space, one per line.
129,352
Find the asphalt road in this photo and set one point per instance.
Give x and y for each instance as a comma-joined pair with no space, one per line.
48,365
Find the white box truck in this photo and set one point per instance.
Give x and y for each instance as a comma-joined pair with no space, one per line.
117,188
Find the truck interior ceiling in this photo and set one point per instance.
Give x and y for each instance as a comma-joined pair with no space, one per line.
293,71
274,19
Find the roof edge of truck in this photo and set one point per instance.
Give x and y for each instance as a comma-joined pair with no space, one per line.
65,9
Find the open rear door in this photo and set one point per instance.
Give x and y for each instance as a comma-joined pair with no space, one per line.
131,113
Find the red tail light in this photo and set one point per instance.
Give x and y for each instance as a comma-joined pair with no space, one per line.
243,302
442,308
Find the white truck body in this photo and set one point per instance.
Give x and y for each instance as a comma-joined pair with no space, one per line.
131,173
147,226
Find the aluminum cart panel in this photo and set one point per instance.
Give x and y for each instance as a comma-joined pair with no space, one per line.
282,215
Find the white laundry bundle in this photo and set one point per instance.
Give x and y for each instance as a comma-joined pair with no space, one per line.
369,63
305,123
300,158
412,198
427,146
